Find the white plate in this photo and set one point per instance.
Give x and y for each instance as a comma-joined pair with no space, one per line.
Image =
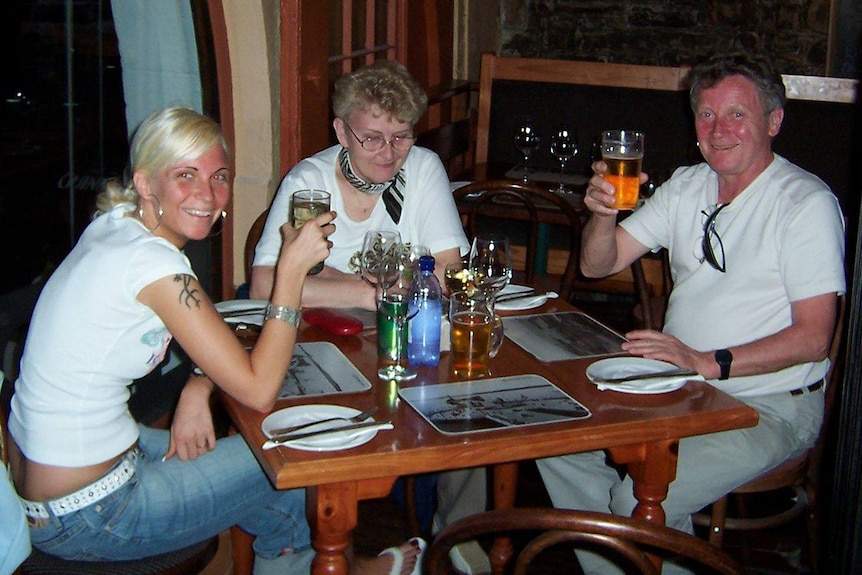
254,317
522,303
308,413
625,366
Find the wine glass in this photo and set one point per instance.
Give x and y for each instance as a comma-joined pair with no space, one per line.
380,259
382,262
564,147
491,262
527,141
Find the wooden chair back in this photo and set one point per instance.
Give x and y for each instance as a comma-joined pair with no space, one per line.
508,199
631,540
251,240
591,96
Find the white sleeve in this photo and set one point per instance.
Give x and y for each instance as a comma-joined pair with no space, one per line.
310,173
429,209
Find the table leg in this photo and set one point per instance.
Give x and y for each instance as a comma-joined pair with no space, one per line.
652,466
332,512
505,482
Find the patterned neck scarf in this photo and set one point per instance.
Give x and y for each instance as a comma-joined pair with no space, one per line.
393,197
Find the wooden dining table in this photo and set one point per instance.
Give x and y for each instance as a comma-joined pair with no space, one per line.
641,432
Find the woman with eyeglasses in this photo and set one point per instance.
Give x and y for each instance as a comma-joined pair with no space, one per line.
756,248
378,180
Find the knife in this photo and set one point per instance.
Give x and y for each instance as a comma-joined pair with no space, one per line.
524,294
639,376
275,441
242,312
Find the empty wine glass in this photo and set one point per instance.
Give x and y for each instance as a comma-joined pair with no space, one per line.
527,141
491,263
564,147
381,263
395,307
380,259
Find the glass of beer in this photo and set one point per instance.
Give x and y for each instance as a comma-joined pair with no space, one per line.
623,152
471,321
306,205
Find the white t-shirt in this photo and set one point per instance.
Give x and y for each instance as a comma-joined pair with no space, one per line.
783,239
89,338
429,216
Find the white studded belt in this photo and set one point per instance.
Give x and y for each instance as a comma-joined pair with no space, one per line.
119,475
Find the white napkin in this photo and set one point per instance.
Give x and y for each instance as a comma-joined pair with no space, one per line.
645,386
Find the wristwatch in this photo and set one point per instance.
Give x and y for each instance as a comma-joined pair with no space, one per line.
283,313
723,357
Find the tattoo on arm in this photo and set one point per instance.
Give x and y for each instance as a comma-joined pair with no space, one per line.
188,295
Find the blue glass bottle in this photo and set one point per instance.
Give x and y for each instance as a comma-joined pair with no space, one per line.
423,340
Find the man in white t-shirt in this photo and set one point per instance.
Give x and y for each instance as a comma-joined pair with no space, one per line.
756,247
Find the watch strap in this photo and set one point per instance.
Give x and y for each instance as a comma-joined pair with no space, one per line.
724,358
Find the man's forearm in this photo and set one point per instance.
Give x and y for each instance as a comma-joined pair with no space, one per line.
599,247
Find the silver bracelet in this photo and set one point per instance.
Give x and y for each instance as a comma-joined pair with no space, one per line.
284,313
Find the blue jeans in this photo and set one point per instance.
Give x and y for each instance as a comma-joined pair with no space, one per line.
173,504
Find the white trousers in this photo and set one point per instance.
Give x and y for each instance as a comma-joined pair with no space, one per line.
709,466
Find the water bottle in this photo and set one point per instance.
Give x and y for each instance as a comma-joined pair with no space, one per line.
423,340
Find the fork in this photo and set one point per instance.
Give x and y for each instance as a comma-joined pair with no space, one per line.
355,419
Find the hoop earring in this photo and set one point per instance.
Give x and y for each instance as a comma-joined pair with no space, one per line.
218,226
159,213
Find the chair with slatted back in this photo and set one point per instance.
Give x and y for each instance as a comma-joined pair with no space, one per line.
629,540
191,559
800,476
518,201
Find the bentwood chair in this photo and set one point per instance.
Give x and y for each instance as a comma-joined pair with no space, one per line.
629,540
800,476
531,204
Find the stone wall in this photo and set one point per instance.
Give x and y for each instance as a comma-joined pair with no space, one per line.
667,32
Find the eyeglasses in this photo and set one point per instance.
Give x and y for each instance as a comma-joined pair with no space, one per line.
711,255
376,143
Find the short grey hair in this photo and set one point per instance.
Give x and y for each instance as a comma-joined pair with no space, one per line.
755,67
385,84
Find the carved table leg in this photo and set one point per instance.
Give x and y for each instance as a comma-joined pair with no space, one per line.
652,466
505,482
332,512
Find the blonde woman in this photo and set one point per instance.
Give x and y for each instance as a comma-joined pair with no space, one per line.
97,486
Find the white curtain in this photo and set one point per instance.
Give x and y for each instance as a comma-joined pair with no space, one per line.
159,56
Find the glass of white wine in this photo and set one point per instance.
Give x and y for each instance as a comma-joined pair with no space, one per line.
491,263
306,205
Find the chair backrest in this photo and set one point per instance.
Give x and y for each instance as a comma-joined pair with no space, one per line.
594,96
623,537
833,388
507,199
251,242
590,96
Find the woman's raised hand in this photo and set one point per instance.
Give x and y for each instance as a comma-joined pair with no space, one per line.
309,245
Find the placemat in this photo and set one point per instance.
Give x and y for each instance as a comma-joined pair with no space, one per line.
319,368
561,336
496,403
